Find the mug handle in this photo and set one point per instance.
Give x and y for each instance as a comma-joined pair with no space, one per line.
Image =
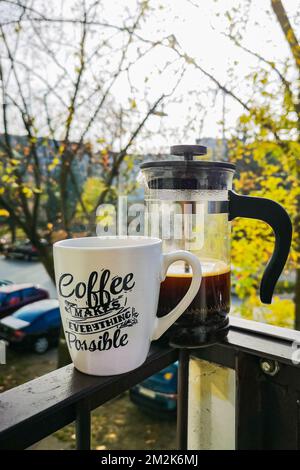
162,324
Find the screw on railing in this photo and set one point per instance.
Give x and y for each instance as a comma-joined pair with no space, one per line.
269,367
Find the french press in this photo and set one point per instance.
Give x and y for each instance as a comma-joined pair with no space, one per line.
189,205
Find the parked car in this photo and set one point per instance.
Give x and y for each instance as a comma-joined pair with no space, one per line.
5,282
14,296
22,250
35,326
158,393
3,244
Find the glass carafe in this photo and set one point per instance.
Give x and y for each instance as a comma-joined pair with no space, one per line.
189,205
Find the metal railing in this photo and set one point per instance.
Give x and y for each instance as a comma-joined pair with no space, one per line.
267,392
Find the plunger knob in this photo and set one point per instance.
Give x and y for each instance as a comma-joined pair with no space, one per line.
188,151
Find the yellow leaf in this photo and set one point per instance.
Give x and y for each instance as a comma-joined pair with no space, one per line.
61,149
132,103
4,213
27,191
54,164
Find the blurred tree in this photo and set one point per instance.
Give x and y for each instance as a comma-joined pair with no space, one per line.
269,138
266,144
60,65
58,69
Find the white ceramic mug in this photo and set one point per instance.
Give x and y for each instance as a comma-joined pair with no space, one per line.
108,289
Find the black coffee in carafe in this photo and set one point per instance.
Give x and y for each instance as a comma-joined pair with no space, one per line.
211,305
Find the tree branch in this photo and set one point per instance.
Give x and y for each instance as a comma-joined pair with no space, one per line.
172,43
287,30
66,156
120,157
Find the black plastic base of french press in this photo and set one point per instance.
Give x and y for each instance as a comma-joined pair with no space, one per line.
198,336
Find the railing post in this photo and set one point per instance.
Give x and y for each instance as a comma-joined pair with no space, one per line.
268,416
83,426
182,400
211,405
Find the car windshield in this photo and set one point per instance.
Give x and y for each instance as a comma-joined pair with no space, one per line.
26,315
3,299
11,299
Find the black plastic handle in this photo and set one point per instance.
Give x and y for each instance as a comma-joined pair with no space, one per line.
276,216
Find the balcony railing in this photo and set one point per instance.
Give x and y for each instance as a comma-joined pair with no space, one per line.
251,399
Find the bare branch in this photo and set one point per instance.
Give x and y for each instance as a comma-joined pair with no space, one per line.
171,42
51,89
28,124
4,203
272,65
120,157
190,60
4,112
67,156
48,51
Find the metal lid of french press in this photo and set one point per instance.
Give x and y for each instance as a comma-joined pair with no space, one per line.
187,173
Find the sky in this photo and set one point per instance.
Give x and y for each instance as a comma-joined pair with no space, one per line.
199,25
199,31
